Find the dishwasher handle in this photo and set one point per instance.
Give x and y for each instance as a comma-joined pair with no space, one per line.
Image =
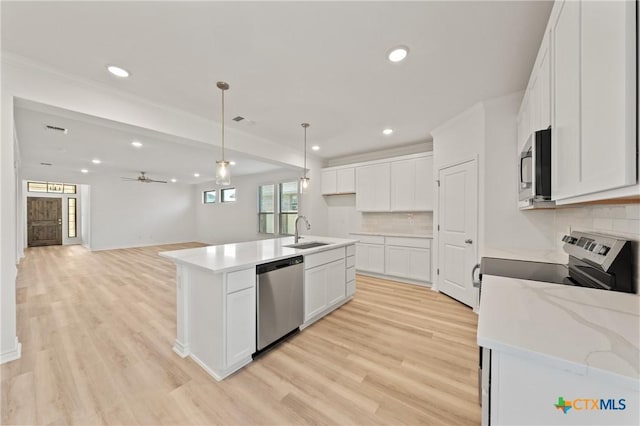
278,264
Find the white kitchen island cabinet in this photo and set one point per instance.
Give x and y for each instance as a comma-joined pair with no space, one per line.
549,345
216,296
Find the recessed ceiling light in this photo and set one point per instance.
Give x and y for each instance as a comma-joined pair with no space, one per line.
174,180
397,54
196,175
233,163
315,147
96,161
117,71
136,144
84,171
387,132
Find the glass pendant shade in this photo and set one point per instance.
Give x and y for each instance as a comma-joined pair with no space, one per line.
304,185
223,176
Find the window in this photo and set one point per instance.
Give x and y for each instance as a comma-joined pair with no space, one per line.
228,195
37,186
209,197
52,187
266,209
288,195
71,218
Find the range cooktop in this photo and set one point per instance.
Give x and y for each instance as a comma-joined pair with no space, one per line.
526,270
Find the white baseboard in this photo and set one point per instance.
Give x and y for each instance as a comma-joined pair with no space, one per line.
396,279
181,349
220,375
12,354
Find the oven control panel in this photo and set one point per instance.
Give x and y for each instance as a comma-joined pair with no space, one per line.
597,248
588,244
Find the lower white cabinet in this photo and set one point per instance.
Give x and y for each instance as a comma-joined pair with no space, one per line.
241,325
408,262
325,281
370,257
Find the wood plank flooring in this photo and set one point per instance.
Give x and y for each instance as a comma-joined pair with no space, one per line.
97,330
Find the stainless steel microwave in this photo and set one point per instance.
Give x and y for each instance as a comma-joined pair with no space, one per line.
535,168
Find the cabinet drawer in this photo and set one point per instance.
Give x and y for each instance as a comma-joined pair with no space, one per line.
317,259
369,239
351,274
351,250
239,280
351,260
409,242
351,288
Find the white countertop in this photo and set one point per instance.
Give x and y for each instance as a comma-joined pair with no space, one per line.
231,257
393,234
586,331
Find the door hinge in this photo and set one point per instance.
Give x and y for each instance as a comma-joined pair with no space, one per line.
438,227
438,182
438,271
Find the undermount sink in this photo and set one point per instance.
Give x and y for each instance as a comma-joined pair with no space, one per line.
310,244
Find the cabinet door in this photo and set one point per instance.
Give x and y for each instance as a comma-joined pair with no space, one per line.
346,181
362,257
534,103
424,184
403,185
315,291
373,185
336,281
328,184
607,151
241,325
419,264
544,84
376,258
397,261
566,117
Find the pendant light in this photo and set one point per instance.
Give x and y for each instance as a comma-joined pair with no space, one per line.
223,174
304,180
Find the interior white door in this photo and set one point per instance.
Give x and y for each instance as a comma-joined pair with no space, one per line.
458,220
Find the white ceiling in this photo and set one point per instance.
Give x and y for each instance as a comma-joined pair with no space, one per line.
163,157
290,62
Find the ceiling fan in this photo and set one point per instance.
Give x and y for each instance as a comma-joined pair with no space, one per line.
144,178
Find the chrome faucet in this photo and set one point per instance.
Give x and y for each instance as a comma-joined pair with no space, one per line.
297,236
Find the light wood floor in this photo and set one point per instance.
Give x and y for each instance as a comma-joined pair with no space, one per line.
97,330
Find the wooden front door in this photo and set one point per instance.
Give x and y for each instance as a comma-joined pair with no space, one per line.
44,221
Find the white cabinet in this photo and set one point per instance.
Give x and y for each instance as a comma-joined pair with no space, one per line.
338,181
408,258
370,257
412,184
373,184
594,115
543,86
325,281
566,123
241,323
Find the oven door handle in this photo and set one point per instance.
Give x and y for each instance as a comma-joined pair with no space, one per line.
476,283
522,158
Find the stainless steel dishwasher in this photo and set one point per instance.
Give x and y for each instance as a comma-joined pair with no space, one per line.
280,299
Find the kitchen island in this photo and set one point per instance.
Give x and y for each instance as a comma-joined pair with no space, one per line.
551,350
216,295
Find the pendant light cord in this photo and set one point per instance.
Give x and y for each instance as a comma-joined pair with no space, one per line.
305,152
222,125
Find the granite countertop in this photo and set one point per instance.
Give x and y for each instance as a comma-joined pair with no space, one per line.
393,234
587,331
231,257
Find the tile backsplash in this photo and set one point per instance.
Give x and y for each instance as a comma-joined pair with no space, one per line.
405,223
619,219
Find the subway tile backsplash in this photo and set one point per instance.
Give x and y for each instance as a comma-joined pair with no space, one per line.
404,223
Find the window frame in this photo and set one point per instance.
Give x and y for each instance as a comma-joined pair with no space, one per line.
278,213
215,196
75,217
265,213
222,192
282,214
51,187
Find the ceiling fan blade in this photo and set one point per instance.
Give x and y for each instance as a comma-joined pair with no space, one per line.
156,181
127,178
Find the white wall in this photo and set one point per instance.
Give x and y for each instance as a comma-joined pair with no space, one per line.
504,225
221,223
85,215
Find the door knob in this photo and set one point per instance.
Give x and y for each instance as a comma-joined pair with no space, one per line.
468,241
59,221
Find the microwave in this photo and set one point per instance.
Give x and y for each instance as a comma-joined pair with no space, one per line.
535,169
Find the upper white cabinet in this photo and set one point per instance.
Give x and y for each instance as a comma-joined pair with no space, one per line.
583,84
373,184
412,184
338,181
